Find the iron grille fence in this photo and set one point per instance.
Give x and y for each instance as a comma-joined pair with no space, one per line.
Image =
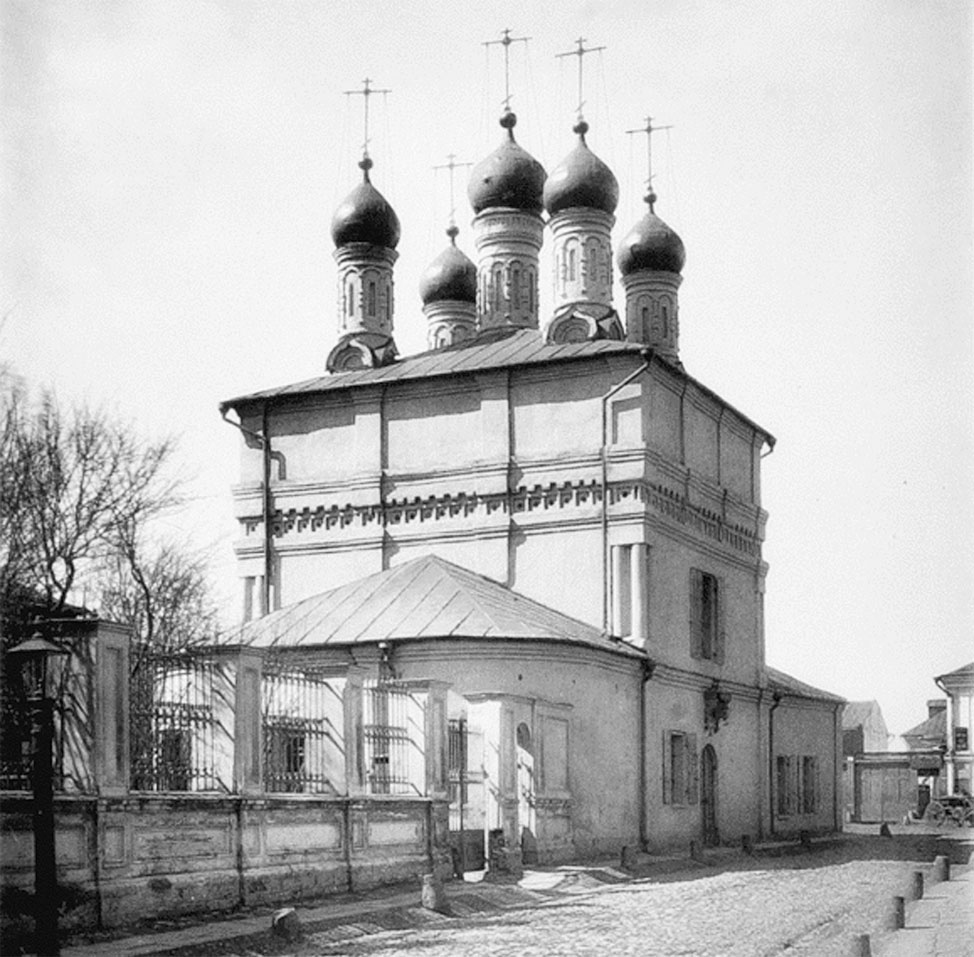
15,759
394,738
302,718
177,738
457,779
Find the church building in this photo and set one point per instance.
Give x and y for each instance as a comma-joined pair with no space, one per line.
545,514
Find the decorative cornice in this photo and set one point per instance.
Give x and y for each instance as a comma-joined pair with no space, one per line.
666,503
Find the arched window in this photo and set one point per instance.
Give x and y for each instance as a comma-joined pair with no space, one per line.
370,299
666,321
591,258
498,287
530,282
571,264
350,298
515,286
645,323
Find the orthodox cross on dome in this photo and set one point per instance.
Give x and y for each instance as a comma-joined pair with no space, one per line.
451,164
649,130
580,53
505,41
366,91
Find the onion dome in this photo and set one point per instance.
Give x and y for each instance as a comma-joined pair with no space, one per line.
449,277
365,216
509,177
651,245
581,179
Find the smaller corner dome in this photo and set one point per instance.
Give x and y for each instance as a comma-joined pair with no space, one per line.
365,216
581,179
651,245
509,177
449,277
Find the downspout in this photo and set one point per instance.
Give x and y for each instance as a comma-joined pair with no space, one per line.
775,701
838,762
647,355
648,666
263,440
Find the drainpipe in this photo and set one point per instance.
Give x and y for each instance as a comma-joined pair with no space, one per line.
647,355
775,701
263,440
648,666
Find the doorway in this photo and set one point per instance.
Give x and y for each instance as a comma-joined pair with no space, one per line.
708,796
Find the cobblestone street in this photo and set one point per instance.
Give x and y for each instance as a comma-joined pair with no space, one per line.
810,903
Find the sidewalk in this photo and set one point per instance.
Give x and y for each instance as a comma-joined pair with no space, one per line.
940,924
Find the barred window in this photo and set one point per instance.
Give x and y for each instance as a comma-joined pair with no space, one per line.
706,616
680,768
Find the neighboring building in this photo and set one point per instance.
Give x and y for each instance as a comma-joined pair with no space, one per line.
958,721
931,733
547,513
863,728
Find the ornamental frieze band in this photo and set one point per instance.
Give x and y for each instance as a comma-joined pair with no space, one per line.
662,501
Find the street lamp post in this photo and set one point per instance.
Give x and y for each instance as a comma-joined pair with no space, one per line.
34,657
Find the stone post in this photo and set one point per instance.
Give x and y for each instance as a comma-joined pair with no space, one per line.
352,702
111,704
436,739
247,726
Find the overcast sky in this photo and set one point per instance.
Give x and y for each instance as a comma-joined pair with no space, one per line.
170,170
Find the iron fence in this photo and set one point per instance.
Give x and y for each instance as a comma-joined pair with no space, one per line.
394,738
456,769
177,737
302,723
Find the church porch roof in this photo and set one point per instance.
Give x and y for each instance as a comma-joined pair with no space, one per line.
426,598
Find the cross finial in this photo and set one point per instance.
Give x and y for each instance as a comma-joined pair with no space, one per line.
580,52
366,91
505,41
649,130
451,164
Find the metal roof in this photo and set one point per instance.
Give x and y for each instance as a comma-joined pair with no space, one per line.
779,681
934,727
967,671
427,597
493,349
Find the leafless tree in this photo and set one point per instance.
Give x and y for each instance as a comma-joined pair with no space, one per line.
162,591
75,485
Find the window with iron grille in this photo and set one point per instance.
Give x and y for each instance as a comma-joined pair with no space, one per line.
302,716
680,772
706,616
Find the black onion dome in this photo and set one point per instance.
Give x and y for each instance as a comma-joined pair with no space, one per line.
581,179
651,244
365,216
509,177
451,276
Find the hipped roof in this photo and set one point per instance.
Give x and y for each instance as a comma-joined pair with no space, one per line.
426,598
492,349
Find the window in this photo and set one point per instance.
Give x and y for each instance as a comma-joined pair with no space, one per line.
666,322
350,297
783,784
706,617
285,768
515,286
371,299
809,785
961,740
680,777
571,265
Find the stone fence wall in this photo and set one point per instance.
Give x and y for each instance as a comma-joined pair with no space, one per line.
122,860
126,853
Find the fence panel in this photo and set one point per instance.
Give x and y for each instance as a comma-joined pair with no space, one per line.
180,736
394,738
302,721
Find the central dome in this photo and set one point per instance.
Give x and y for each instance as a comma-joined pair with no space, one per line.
365,216
510,176
581,179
